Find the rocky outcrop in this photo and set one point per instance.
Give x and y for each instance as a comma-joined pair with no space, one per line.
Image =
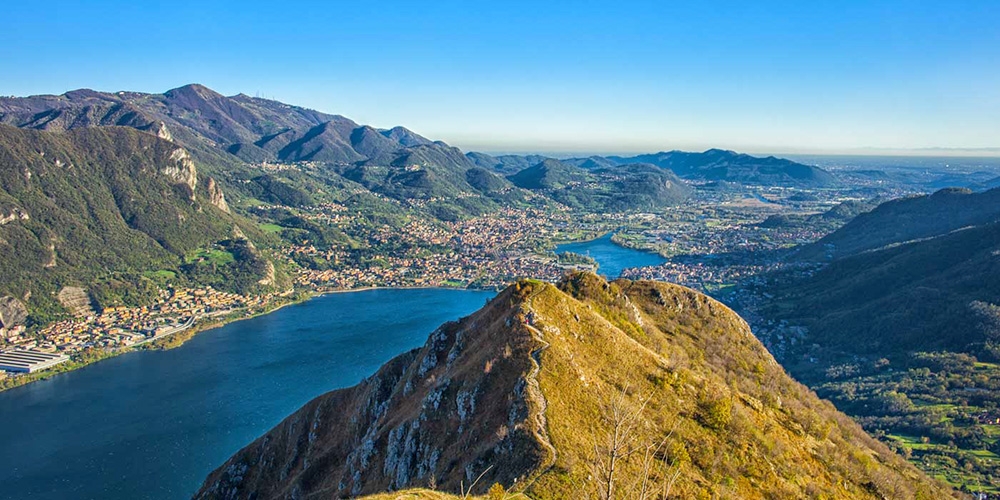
437,416
13,215
268,278
12,312
216,196
181,170
160,129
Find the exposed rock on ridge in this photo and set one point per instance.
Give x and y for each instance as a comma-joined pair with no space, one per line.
519,392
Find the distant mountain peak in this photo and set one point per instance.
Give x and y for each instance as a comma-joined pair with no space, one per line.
720,152
194,88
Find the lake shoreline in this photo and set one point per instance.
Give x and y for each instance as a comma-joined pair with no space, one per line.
155,424
178,339
164,343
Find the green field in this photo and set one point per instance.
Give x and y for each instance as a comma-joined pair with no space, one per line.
162,273
271,228
948,464
211,256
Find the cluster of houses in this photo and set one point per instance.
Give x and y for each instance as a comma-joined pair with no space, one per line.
121,326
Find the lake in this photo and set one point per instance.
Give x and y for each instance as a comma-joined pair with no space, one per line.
612,258
153,424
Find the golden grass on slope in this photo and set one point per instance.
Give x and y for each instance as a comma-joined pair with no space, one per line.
417,494
708,413
424,494
719,417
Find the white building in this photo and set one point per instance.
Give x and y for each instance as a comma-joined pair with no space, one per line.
29,361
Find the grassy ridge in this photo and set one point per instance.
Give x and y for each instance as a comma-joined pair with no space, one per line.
527,392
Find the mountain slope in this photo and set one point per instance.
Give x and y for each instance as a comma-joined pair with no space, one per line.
912,297
907,219
904,334
83,204
529,391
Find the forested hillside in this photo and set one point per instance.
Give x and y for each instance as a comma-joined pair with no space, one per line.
902,329
87,206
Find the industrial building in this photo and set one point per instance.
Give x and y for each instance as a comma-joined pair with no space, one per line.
29,361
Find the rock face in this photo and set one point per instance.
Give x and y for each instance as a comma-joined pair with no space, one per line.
182,171
268,278
436,415
525,392
12,313
216,196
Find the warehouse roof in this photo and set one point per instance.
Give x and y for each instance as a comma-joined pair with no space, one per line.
29,360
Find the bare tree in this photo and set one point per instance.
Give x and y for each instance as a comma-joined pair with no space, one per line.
617,440
619,443
466,495
653,471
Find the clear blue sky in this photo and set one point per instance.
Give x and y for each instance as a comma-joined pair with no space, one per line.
610,76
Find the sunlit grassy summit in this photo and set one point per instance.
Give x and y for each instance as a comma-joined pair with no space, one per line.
627,389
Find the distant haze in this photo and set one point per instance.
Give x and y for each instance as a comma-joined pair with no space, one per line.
624,77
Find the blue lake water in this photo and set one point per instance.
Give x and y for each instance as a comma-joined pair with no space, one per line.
153,424
611,258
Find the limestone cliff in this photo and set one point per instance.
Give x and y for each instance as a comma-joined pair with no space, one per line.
12,313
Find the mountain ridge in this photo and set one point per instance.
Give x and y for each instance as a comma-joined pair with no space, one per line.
252,129
520,391
907,219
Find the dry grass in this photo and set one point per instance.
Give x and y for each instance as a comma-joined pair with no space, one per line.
668,382
732,424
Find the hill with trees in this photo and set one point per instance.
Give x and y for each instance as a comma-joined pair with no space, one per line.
93,206
612,189
907,219
902,329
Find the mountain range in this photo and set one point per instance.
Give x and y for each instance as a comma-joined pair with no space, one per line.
225,133
713,165
585,389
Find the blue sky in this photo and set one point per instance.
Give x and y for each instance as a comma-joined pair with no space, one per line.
564,76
